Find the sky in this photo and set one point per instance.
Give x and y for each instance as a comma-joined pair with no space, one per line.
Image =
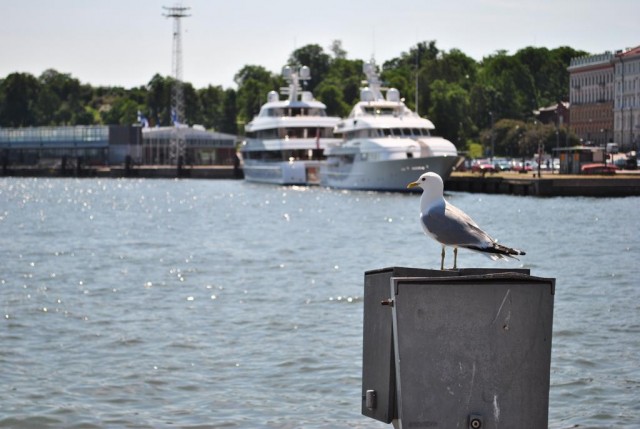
126,42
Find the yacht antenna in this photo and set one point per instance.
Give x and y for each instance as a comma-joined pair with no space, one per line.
373,79
417,72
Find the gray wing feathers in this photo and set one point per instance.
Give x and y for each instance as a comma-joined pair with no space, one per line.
451,226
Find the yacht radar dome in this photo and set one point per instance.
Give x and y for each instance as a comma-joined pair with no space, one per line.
272,96
305,73
286,72
393,95
366,94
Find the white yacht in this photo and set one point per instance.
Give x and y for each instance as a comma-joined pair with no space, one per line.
286,141
384,145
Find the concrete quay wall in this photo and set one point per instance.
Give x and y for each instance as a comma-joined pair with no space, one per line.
550,185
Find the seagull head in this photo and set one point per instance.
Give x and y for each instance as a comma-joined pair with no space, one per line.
432,188
427,181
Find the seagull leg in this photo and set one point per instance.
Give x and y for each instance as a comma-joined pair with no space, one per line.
442,260
455,258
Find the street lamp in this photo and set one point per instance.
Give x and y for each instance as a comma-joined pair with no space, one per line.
492,138
604,131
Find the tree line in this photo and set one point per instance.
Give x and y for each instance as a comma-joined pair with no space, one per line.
470,102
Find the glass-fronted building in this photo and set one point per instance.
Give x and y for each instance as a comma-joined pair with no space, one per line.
107,145
196,146
47,146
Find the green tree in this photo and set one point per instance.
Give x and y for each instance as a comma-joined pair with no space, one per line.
455,67
229,120
158,101
211,101
345,75
337,51
63,100
18,100
192,110
450,111
124,111
254,83
515,138
314,57
332,96
513,86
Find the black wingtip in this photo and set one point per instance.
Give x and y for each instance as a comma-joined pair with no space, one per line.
498,249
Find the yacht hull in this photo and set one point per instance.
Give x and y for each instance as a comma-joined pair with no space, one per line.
283,173
388,175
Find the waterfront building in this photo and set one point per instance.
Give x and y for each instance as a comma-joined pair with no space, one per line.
557,114
201,147
626,110
54,146
109,145
572,159
591,95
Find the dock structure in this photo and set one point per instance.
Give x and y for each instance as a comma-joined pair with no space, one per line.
73,169
547,185
169,172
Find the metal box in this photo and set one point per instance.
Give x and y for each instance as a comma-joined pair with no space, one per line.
457,348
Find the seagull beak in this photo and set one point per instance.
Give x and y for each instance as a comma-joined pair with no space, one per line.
412,185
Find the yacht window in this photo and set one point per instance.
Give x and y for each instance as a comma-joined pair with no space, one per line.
415,131
387,132
266,134
295,133
406,131
326,132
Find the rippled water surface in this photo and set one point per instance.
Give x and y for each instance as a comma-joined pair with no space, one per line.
222,304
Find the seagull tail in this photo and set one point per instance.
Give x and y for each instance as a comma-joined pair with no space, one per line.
498,251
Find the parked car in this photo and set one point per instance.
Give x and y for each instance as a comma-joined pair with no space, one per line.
626,163
482,166
598,168
502,165
521,167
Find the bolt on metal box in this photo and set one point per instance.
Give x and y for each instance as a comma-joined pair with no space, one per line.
466,348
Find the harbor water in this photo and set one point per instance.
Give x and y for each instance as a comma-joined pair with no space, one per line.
224,304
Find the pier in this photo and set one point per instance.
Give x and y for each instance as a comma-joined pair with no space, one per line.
141,172
547,184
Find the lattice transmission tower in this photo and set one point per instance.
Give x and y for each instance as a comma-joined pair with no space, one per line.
177,144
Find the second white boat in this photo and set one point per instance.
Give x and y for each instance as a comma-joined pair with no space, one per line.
384,145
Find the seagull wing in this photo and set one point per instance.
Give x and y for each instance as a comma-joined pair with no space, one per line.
453,227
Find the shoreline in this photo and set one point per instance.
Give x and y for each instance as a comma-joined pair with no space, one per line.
142,172
548,184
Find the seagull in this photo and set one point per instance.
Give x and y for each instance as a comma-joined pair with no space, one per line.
452,227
